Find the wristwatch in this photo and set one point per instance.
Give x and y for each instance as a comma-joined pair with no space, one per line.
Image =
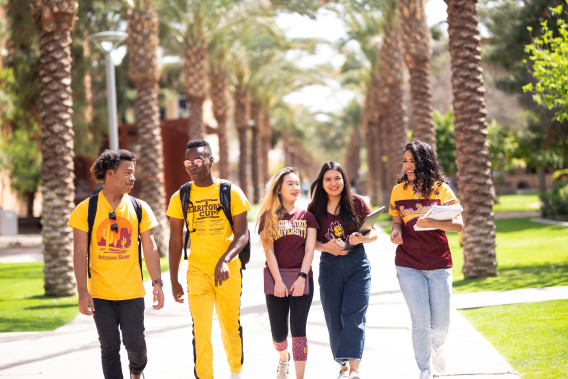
303,275
157,281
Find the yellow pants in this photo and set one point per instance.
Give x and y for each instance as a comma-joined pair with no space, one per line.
202,296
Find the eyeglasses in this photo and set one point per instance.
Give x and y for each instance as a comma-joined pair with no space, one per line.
197,163
113,227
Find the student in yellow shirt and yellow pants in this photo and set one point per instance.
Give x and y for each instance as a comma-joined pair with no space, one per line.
214,270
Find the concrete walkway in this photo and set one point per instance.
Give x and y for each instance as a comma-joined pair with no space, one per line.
72,351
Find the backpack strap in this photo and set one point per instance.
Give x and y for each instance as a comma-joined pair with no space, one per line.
93,201
225,198
184,192
138,210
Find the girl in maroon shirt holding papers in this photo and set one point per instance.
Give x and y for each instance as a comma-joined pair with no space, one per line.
288,235
423,259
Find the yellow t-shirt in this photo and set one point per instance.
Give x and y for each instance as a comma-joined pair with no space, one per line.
115,270
213,233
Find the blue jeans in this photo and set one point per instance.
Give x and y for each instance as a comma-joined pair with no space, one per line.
427,294
128,315
345,284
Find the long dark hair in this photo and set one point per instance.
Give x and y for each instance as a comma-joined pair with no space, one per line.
318,207
427,171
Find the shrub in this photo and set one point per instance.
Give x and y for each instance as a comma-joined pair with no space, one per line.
555,202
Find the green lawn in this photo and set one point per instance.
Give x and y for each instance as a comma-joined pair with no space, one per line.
23,306
528,255
532,337
509,203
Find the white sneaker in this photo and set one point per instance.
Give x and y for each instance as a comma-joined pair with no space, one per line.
354,375
235,376
283,369
343,374
425,374
439,358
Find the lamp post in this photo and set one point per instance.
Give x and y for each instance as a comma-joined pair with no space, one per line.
108,42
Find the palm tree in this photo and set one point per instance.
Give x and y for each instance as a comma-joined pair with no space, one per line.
143,47
255,117
472,147
192,24
218,81
391,100
417,55
55,19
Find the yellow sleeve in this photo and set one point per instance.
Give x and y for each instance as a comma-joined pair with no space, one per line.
174,207
239,202
78,218
447,196
149,220
395,195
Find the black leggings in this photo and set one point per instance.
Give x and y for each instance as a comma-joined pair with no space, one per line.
298,306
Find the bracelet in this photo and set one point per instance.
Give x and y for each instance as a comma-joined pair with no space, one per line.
303,275
157,281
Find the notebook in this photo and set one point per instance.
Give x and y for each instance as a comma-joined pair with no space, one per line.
367,225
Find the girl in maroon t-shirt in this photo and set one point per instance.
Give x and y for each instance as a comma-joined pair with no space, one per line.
288,235
344,275
423,260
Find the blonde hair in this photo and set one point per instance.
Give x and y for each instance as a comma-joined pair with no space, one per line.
271,206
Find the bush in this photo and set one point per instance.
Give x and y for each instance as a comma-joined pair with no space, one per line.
555,202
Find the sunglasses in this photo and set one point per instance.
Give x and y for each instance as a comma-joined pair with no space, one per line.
197,163
113,227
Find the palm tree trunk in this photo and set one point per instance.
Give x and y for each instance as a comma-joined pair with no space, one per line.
255,110
218,82
417,55
370,141
195,73
143,47
56,20
352,158
266,136
472,147
393,113
241,122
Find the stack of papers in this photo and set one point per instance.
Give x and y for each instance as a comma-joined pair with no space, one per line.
441,213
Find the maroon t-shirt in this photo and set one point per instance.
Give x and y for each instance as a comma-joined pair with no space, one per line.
331,226
290,244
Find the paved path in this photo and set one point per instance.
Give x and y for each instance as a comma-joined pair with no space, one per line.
72,351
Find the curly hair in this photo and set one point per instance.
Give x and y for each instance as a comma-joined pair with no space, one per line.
318,206
271,209
109,160
427,171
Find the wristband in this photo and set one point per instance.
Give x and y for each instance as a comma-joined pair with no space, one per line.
303,275
157,281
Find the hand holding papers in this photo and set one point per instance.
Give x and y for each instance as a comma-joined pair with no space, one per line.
441,213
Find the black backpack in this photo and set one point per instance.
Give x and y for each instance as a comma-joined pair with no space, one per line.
93,201
225,198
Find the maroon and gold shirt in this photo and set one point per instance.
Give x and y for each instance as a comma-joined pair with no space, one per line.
421,250
290,244
332,227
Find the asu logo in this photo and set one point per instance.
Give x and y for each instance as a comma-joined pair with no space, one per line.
338,230
335,230
111,242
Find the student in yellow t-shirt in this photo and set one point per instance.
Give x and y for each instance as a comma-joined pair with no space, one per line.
214,271
423,259
114,293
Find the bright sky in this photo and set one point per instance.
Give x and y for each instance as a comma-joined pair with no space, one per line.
327,26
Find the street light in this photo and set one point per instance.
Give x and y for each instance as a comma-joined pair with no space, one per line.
108,42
